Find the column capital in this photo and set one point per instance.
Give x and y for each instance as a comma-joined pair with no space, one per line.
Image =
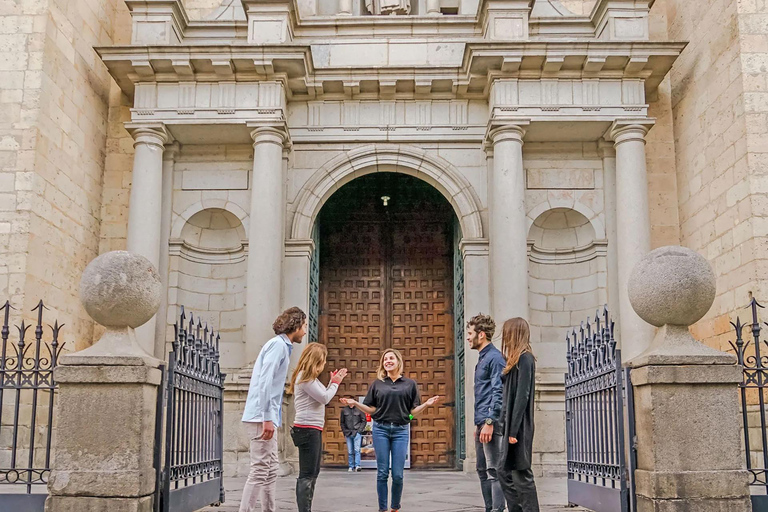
268,134
625,130
606,149
499,131
149,133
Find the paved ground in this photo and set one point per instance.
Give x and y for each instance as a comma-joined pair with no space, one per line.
425,491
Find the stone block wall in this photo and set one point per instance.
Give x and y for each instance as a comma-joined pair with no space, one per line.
719,115
53,128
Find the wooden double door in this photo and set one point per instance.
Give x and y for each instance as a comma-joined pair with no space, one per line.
386,280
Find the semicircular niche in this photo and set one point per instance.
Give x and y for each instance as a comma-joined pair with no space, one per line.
566,279
208,276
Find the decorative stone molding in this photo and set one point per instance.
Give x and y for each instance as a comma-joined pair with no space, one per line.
388,158
206,204
299,248
595,249
178,247
474,247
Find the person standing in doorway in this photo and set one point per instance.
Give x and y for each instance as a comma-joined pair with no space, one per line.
392,401
353,424
519,379
310,399
489,437
263,409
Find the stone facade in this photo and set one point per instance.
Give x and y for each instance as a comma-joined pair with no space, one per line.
559,134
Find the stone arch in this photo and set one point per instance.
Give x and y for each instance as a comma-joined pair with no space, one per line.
358,162
206,204
568,202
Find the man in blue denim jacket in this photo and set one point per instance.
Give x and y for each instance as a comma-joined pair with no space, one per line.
488,394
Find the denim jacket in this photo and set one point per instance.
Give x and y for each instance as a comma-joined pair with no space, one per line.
488,387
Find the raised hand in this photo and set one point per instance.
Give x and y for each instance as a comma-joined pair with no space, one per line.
434,400
338,375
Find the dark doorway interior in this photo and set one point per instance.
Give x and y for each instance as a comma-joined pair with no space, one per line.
386,280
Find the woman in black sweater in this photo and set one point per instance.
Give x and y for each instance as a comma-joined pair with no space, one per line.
518,379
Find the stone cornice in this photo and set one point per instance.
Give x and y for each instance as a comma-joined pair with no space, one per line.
481,64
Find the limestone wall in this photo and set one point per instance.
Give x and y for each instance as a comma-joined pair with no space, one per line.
53,129
719,113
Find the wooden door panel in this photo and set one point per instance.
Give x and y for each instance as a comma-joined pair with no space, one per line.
421,291
352,310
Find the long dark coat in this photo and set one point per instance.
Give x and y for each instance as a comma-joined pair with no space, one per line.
517,412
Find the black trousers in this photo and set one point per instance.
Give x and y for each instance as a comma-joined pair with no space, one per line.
309,441
519,490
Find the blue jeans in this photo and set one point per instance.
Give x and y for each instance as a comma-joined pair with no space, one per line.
353,450
390,440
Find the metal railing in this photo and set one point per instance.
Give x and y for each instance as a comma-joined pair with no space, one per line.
193,409
598,394
755,380
27,392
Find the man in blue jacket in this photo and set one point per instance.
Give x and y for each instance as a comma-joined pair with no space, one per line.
263,409
488,397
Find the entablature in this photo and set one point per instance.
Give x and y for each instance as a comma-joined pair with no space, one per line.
468,74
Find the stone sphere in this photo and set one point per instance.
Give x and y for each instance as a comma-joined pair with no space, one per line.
120,289
672,285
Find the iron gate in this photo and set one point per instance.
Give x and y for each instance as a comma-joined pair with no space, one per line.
755,380
598,395
27,392
191,408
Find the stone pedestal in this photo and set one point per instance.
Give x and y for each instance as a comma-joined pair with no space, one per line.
105,433
688,426
687,411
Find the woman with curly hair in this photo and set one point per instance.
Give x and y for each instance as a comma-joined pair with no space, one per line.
310,399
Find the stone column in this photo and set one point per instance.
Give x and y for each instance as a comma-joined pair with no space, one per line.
161,320
265,239
108,396
508,225
680,383
633,226
608,153
145,205
477,299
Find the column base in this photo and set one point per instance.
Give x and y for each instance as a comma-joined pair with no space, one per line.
81,504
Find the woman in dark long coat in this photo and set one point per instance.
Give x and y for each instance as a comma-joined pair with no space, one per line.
518,378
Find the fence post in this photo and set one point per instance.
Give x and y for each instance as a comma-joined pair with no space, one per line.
108,396
686,394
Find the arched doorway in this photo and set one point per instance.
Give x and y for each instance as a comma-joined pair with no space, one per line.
386,271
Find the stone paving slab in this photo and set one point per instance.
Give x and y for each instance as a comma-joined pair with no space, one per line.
425,491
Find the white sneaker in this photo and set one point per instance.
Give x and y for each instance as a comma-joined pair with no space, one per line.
358,469
351,470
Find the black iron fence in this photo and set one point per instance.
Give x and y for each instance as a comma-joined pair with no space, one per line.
754,365
192,412
27,394
598,406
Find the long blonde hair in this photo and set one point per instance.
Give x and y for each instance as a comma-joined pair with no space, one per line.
311,365
515,341
381,373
